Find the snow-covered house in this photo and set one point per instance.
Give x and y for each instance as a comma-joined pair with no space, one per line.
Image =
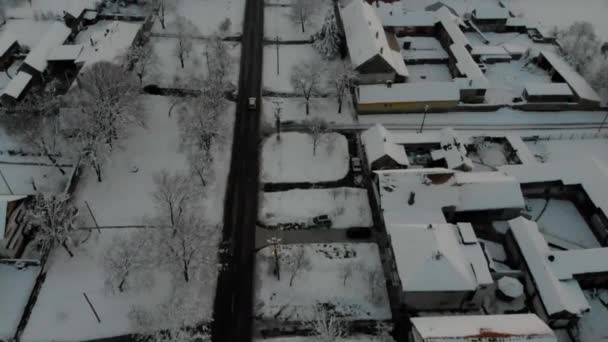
16,88
407,97
9,46
452,151
562,72
397,19
482,328
36,61
109,44
491,17
374,53
380,150
555,279
11,221
437,195
548,92
440,266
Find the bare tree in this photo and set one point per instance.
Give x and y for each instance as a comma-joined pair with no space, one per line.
318,129
306,79
296,260
186,30
328,40
218,59
342,77
125,260
173,194
224,27
326,327
201,165
54,220
142,59
347,271
302,12
108,105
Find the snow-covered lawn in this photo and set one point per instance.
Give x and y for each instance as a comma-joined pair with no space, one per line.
15,288
294,110
565,149
429,72
206,15
322,282
508,80
592,325
291,159
289,56
123,197
61,311
277,22
346,207
169,67
562,220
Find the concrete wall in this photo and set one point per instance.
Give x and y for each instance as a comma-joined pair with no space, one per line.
405,107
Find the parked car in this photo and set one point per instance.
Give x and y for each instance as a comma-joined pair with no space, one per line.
252,103
321,221
355,163
359,233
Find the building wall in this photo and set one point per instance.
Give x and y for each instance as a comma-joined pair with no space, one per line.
491,25
7,59
424,31
439,300
406,107
549,98
385,163
375,78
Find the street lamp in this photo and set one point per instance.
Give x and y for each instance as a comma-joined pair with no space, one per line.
603,122
274,242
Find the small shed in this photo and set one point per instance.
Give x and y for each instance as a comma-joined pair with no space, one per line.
382,153
482,328
548,92
8,48
490,17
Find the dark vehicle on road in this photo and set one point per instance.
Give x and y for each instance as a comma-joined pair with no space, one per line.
359,233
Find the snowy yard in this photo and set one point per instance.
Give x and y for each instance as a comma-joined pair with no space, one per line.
561,220
277,22
565,149
15,288
346,207
292,159
294,110
206,16
508,80
169,69
361,296
429,72
124,195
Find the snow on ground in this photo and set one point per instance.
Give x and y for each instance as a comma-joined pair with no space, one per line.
555,150
289,56
169,67
123,197
429,72
562,220
27,31
298,302
56,7
291,159
15,288
508,80
22,178
206,15
562,13
354,338
592,325
61,311
294,110
277,22
346,207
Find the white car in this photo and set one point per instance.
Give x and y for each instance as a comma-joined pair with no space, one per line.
252,103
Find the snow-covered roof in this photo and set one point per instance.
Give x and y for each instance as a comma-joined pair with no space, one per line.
485,50
483,328
434,257
490,11
108,44
378,143
521,149
573,262
573,78
408,92
37,58
15,288
589,173
517,21
4,201
465,64
16,86
543,89
437,188
395,15
515,49
557,295
7,40
450,24
453,151
366,38
65,53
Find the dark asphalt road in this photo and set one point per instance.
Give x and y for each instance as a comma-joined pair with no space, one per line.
233,306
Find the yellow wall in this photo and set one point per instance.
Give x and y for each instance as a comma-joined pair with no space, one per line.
405,107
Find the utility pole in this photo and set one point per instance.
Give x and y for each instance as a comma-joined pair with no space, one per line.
426,109
603,122
277,43
277,116
274,242
6,183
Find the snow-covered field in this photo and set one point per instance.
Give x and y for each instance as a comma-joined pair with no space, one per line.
277,22
206,15
355,299
562,220
346,207
169,68
291,159
61,311
566,149
289,56
293,109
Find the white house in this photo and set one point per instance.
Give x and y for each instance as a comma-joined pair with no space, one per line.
381,151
